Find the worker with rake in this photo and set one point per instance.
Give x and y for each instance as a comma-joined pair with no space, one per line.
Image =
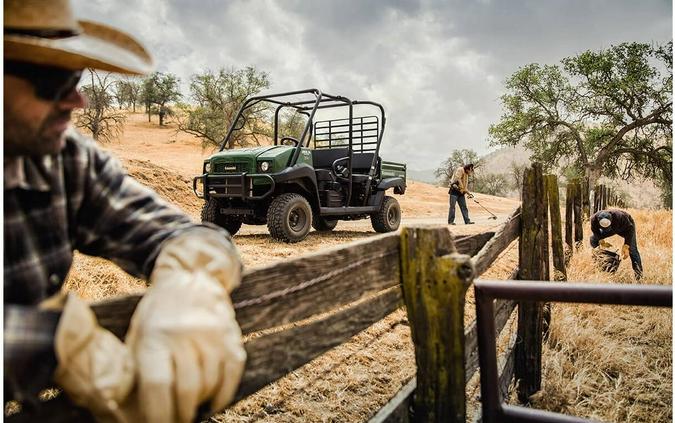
458,190
63,193
606,223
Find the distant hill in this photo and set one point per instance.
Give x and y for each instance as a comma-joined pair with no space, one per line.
641,193
500,161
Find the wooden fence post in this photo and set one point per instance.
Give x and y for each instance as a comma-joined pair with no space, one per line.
586,192
532,262
569,219
578,217
559,271
434,280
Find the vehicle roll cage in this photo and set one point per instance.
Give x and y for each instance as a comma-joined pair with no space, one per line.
308,107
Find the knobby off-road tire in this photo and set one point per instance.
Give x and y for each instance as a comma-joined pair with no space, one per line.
289,218
388,218
323,225
211,213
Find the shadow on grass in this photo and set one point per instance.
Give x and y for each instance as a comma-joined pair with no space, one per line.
312,236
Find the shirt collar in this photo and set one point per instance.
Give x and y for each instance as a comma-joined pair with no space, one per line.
28,173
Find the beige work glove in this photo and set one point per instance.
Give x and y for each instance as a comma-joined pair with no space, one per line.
625,251
183,334
94,368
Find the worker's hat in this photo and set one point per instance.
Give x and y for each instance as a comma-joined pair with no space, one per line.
605,219
46,32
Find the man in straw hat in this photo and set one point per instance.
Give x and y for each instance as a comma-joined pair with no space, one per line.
183,348
606,223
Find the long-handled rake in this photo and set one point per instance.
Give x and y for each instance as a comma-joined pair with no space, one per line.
491,217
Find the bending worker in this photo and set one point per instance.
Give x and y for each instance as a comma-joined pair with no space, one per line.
606,223
458,190
63,193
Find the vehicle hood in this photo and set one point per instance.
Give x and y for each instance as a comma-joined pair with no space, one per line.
269,151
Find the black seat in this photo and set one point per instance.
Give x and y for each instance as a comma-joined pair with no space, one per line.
323,164
361,162
324,175
324,158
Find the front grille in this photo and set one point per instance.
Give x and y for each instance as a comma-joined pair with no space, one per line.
230,168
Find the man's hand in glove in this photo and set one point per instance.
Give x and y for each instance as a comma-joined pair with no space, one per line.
625,250
183,335
94,368
468,194
605,244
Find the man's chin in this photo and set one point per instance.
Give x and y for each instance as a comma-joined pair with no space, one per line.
39,147
54,145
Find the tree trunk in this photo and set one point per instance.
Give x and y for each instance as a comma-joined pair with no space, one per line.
593,172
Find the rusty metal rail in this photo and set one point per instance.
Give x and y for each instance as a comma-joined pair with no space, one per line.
494,410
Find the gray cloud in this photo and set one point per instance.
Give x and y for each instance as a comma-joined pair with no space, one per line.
437,66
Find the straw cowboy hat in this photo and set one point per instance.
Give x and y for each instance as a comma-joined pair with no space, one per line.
46,32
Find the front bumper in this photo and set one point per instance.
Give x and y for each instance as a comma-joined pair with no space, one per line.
238,185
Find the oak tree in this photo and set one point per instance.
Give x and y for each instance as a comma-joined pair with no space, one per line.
216,100
98,115
605,112
456,159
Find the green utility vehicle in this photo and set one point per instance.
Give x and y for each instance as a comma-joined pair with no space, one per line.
291,186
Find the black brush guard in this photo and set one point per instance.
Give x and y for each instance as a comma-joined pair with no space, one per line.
231,186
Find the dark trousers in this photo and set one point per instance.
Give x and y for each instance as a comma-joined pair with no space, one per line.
630,239
461,200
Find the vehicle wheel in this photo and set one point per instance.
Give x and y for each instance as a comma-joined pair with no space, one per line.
323,225
289,218
388,218
211,213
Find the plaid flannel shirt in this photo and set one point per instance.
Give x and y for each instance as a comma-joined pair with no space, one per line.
80,199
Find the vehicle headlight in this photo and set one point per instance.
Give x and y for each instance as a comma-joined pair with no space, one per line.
207,167
265,166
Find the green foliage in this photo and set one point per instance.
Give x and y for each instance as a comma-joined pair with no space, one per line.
291,124
603,112
128,92
492,184
99,116
217,98
666,187
457,158
159,89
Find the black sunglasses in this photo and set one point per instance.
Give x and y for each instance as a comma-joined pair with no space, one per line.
51,83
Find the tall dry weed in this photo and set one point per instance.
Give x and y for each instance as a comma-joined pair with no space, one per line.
614,363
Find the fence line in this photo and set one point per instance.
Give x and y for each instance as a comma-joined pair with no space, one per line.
605,197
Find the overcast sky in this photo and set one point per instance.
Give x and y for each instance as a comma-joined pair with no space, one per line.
437,66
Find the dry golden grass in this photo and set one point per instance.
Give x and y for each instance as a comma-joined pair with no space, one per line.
608,362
